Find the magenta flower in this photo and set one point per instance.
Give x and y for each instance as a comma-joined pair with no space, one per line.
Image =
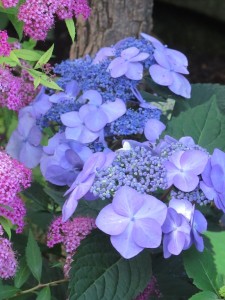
133,220
128,64
184,167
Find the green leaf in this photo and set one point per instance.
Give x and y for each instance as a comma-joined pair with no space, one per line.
71,28
44,294
7,225
99,272
29,45
45,57
33,257
203,122
7,291
14,58
22,274
201,268
18,25
29,55
44,79
205,296
37,81
3,20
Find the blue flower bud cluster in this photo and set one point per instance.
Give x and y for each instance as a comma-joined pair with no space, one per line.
136,168
95,77
142,44
133,121
196,196
54,113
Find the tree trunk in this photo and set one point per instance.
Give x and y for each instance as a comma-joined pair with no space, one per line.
110,21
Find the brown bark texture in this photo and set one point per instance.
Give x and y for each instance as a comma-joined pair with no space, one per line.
111,21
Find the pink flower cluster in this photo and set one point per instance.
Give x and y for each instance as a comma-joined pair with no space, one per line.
150,291
4,45
13,178
9,3
69,234
38,15
15,91
8,262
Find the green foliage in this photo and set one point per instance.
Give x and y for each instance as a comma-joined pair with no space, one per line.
7,291
33,257
109,275
198,117
205,296
18,25
71,28
22,274
44,294
7,226
44,58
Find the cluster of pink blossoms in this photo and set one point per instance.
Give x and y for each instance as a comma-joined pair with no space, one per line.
38,15
8,262
150,291
14,176
9,3
4,45
15,91
69,234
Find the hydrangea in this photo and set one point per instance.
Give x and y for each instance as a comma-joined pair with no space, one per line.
8,262
133,221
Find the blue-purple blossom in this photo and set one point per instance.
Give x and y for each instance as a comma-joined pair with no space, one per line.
213,184
86,124
128,64
84,181
103,54
71,91
24,143
133,220
183,168
170,64
153,129
63,159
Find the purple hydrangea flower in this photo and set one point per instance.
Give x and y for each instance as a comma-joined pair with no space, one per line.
133,220
84,181
170,64
153,129
213,184
86,124
63,160
103,54
71,91
128,64
24,143
183,168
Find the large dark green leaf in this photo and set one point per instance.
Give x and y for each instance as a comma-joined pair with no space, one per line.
44,294
22,273
205,296
200,118
99,272
7,291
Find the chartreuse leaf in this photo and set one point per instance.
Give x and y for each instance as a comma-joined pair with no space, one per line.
7,291
22,273
99,272
44,79
7,225
204,122
71,28
33,257
44,294
26,54
44,58
205,296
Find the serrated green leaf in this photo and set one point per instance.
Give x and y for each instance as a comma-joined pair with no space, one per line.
44,294
71,28
17,24
99,272
33,257
201,267
7,291
22,273
203,122
45,57
7,225
26,54
205,296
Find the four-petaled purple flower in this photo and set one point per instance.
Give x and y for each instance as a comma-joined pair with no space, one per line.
183,168
71,91
128,64
86,124
133,220
213,184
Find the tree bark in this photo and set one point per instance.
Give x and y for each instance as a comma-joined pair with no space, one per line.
111,21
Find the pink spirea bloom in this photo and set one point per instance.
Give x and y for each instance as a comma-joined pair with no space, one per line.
15,91
8,262
69,234
38,15
9,3
151,290
1,230
4,45
14,176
